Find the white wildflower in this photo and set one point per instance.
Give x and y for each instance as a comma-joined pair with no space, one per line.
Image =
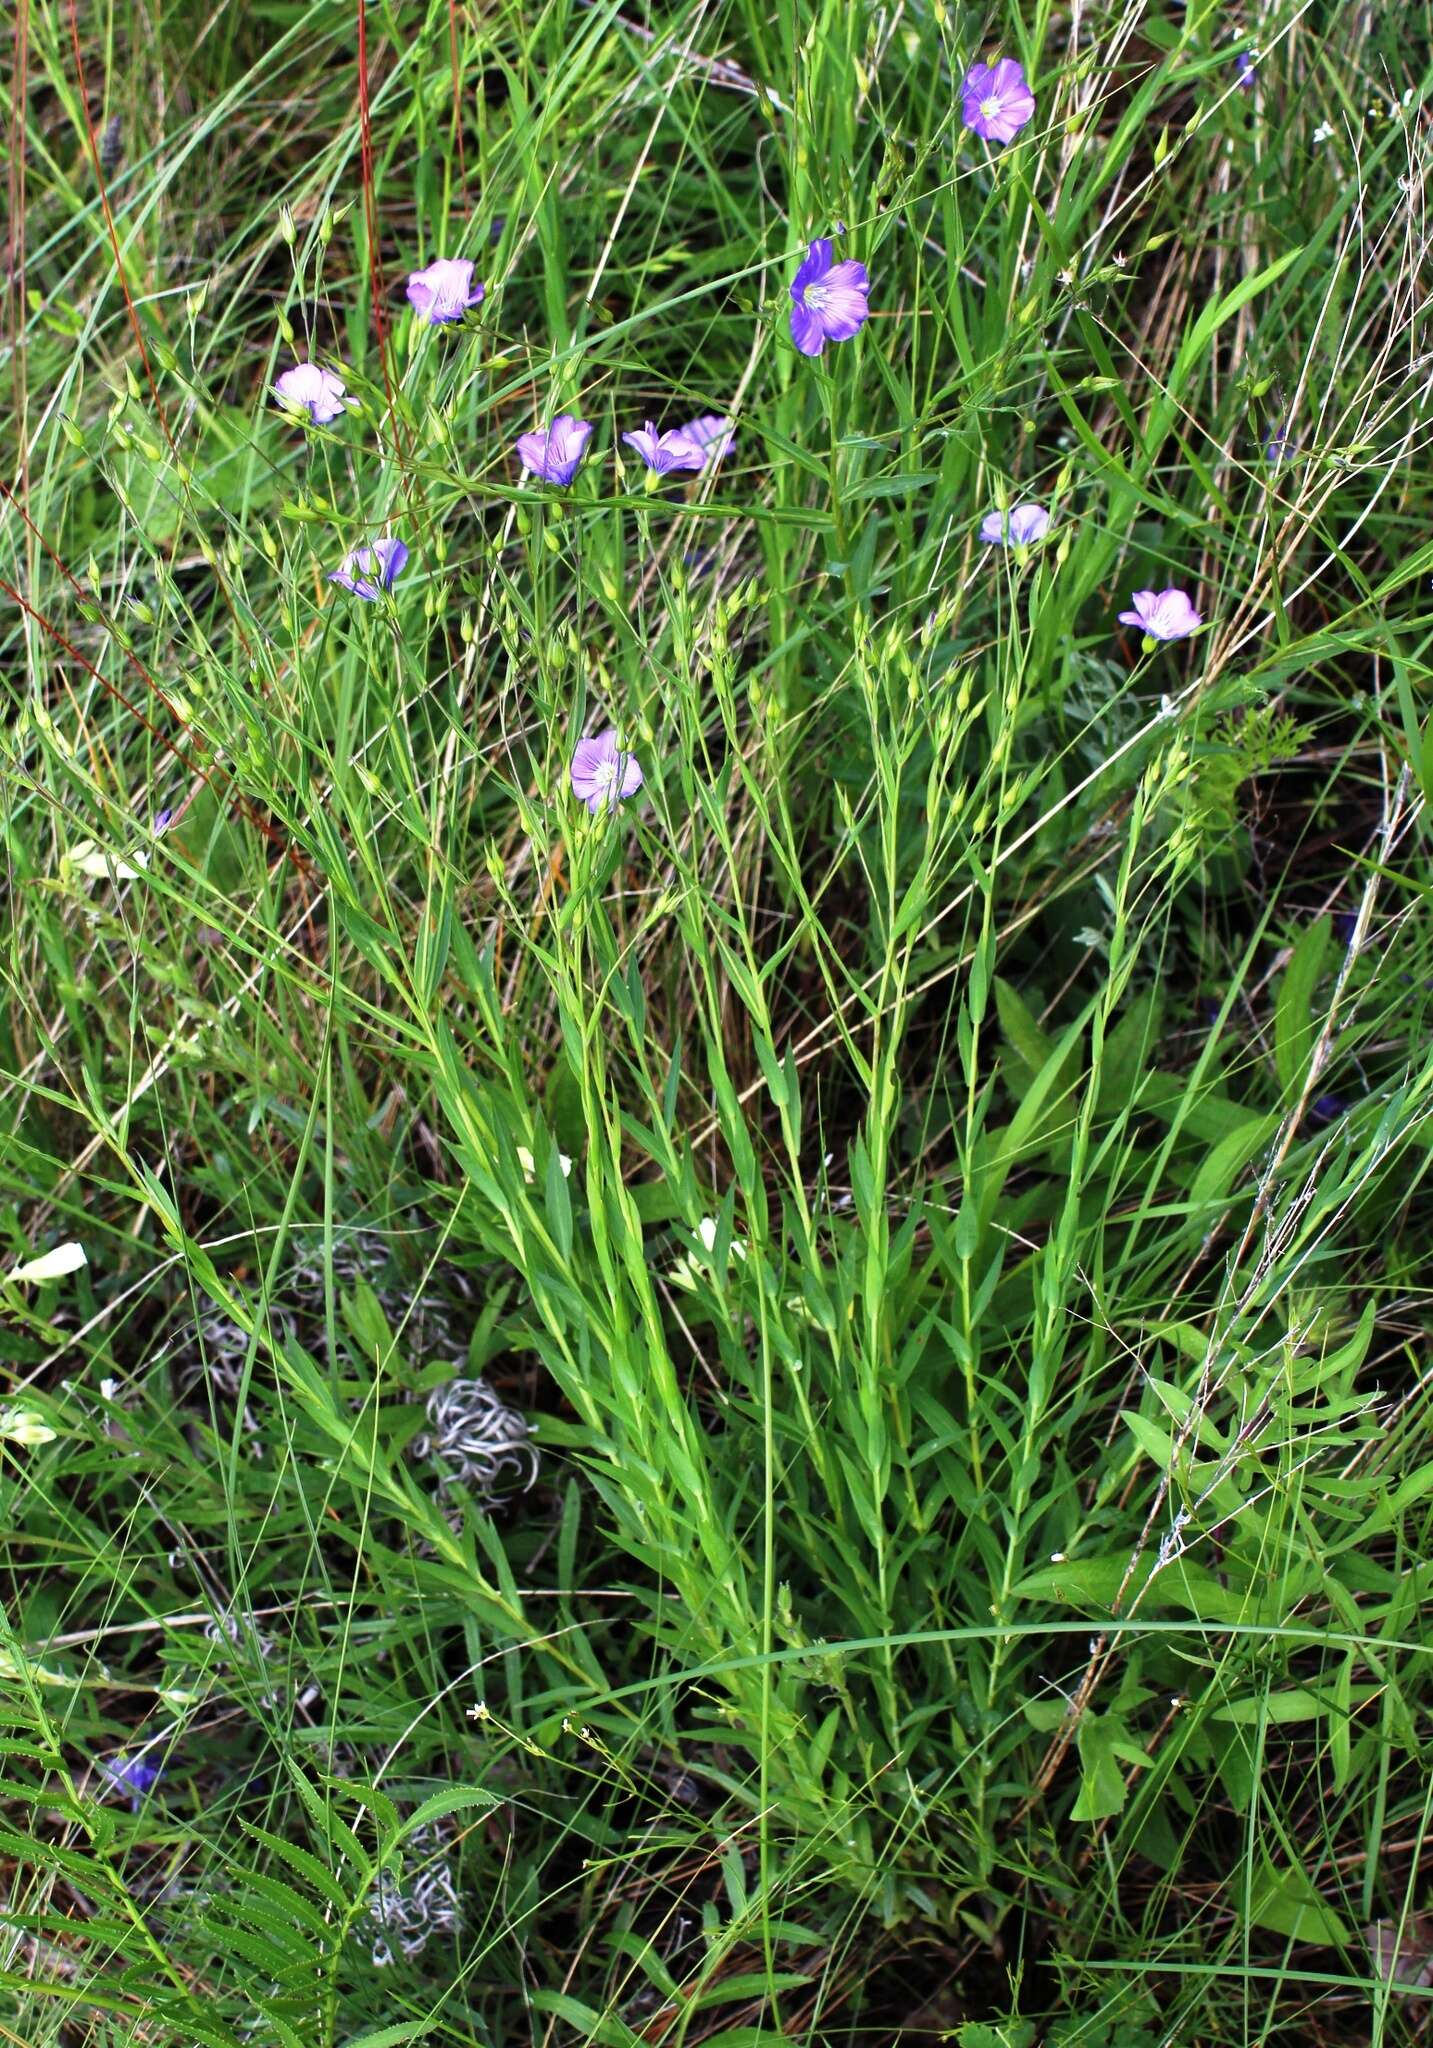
86,858
51,1265
25,1426
529,1165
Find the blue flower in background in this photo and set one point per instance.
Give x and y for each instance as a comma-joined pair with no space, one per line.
1277,445
1027,523
131,1775
712,434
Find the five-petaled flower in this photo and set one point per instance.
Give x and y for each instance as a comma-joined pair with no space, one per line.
663,452
828,300
553,454
1027,523
444,291
712,433
1246,74
370,571
1162,614
996,100
603,773
309,388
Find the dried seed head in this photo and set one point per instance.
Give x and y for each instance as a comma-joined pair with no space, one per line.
476,1438
111,150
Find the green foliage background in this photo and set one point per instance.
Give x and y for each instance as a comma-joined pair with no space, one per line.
978,1355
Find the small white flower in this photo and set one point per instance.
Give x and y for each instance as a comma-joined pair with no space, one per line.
707,1232
65,1258
529,1165
25,1426
178,1696
1324,132
684,1273
88,859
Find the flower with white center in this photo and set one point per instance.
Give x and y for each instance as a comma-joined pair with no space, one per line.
1162,614
603,773
310,389
445,291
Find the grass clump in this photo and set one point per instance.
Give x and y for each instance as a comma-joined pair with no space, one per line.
794,1409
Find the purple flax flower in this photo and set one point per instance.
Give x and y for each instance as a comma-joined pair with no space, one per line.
664,452
130,1775
712,434
602,774
368,572
1162,615
1246,72
828,300
309,388
553,453
444,291
995,100
1277,445
1025,524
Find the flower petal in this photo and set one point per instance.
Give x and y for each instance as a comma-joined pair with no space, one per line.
807,331
844,311
52,1265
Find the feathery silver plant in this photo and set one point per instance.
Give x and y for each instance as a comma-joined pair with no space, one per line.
215,1348
473,1437
408,1910
476,1439
239,1630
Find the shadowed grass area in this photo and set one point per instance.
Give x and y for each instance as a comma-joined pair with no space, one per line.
796,1411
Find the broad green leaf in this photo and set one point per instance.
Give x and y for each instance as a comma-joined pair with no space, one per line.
1287,1902
1295,1025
